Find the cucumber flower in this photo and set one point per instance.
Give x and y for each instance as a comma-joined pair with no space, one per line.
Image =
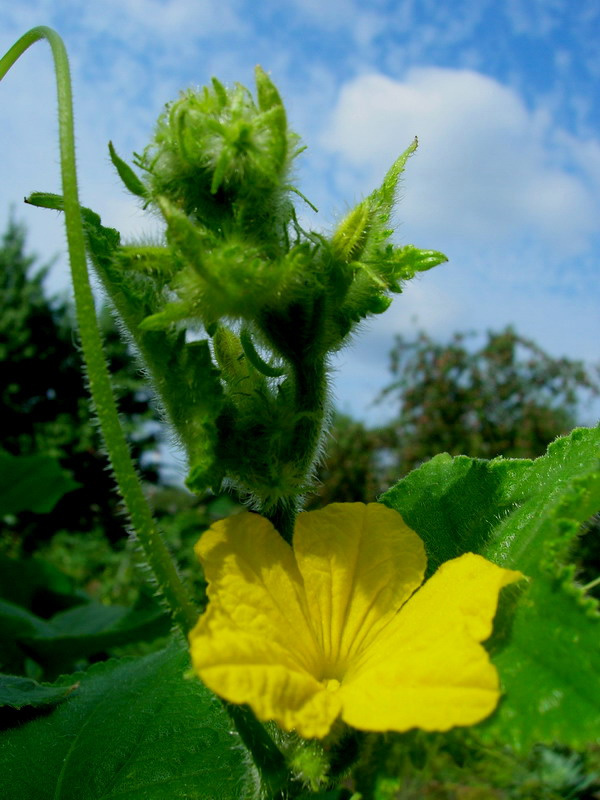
337,626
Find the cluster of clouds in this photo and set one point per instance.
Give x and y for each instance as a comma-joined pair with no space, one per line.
513,201
489,170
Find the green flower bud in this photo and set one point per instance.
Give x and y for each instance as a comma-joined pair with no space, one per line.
220,156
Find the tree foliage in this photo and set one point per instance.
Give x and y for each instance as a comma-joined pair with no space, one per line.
506,398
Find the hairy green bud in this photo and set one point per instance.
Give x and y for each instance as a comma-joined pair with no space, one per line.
223,158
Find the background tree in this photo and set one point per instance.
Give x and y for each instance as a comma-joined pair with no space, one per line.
44,400
506,398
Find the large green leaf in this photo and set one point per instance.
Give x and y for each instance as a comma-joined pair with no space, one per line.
38,585
82,631
525,515
31,483
17,622
18,692
134,729
93,627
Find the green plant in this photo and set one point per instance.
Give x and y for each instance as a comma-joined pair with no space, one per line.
235,316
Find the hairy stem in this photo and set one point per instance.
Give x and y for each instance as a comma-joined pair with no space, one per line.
283,517
310,405
155,550
268,758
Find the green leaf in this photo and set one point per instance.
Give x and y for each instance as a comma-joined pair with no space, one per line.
549,672
350,236
93,628
362,231
453,503
33,583
16,623
403,263
31,483
85,630
18,692
525,515
382,200
127,175
498,507
135,728
266,91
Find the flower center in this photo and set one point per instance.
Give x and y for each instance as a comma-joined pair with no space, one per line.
332,684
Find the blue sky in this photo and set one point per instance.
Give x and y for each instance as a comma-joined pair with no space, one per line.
504,97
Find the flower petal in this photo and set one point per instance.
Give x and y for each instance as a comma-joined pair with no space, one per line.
359,564
254,580
427,669
244,667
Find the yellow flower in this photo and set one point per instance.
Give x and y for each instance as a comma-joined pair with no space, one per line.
334,627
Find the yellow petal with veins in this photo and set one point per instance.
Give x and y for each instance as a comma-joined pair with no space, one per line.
252,576
245,668
427,668
359,563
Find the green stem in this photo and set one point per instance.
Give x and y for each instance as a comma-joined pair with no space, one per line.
283,517
309,404
310,380
155,550
267,756
591,584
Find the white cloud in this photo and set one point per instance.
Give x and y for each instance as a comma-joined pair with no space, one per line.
488,170
511,199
